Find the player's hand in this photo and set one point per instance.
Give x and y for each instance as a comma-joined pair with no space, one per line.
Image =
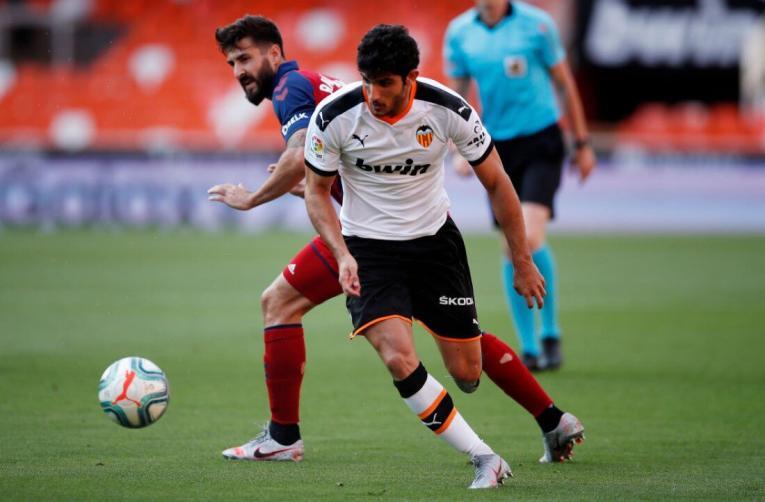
235,196
585,160
298,190
348,272
529,283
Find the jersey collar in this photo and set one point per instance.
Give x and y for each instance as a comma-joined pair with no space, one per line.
393,120
284,68
508,13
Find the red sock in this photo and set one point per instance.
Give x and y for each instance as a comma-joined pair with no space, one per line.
284,362
507,371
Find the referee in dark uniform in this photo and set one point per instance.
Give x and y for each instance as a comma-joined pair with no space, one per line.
513,52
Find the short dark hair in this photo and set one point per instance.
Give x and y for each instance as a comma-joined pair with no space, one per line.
260,29
387,48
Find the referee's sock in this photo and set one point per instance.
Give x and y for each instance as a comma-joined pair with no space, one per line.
433,405
545,262
503,366
523,316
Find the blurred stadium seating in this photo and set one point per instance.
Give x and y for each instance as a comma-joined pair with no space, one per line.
147,115
163,83
694,128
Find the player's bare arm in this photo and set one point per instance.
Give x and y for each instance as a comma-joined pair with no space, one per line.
528,282
318,201
286,175
584,156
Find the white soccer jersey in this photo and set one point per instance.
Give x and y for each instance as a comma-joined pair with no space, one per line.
393,173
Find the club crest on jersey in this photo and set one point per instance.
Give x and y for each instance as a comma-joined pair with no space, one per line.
424,136
515,66
317,147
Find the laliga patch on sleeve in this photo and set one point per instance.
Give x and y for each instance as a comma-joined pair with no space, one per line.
317,147
515,66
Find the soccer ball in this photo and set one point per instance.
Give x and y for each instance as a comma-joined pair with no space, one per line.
133,392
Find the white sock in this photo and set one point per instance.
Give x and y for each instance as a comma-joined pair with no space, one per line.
434,406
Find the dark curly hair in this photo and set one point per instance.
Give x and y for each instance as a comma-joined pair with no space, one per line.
260,29
387,48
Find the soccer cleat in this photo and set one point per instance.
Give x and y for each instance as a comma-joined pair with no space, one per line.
559,442
552,354
264,447
490,471
533,363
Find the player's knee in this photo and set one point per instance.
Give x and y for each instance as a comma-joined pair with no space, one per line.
466,375
468,387
268,300
399,364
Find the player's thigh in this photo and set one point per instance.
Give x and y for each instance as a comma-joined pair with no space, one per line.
392,339
313,272
281,303
384,291
442,287
462,358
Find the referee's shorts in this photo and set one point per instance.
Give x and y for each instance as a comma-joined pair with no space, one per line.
534,164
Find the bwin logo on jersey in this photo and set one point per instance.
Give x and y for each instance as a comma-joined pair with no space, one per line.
461,301
408,167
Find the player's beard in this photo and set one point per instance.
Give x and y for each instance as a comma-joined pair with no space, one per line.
397,104
264,82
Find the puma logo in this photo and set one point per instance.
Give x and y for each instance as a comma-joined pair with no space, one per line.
129,377
434,422
361,140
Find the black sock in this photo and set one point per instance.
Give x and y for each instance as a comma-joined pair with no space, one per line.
549,419
285,434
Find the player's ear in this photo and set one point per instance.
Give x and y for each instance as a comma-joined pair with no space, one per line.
413,75
274,54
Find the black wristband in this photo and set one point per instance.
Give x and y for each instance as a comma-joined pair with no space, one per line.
581,143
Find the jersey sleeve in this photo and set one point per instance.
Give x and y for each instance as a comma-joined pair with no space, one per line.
455,62
552,48
294,103
322,154
470,137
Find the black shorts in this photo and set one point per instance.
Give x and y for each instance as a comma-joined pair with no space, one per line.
534,164
427,279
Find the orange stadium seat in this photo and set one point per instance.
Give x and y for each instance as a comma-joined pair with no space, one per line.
322,37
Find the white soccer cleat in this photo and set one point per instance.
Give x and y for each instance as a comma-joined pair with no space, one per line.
559,442
264,448
490,471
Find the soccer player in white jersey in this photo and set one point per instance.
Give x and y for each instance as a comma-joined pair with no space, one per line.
400,256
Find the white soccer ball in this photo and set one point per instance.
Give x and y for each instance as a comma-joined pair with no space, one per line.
134,392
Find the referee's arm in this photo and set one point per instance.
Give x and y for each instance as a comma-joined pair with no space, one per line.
461,86
528,282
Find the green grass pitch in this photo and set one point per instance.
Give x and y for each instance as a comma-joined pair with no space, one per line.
664,340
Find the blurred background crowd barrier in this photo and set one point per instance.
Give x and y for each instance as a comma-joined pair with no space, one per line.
120,114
